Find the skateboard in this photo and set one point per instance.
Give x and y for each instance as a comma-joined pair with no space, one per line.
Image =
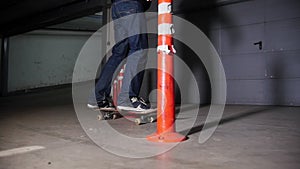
148,116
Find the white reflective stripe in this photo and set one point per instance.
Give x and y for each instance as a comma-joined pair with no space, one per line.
165,29
20,150
120,77
164,7
165,49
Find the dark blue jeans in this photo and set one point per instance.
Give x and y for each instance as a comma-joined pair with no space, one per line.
129,44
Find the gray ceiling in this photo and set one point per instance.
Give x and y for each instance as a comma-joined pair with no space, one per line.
19,16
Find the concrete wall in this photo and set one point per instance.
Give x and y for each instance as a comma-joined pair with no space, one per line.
43,58
270,76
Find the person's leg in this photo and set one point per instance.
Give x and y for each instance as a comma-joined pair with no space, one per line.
119,52
133,75
103,86
137,60
101,96
137,56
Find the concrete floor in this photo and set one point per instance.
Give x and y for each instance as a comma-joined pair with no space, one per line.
247,137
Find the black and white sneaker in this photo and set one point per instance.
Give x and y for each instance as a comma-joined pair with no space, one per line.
105,105
138,104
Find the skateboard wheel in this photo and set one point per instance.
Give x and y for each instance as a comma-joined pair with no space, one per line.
137,121
151,119
107,116
100,117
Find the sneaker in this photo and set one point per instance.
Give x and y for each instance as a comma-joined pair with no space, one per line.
92,105
138,104
105,104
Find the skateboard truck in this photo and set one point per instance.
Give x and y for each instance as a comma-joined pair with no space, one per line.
106,115
145,119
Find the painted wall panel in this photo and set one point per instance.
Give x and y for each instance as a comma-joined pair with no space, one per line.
245,66
246,91
204,19
282,9
245,13
240,40
283,35
282,92
214,37
253,74
283,65
264,92
38,60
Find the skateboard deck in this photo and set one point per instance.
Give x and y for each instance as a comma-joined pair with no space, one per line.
140,117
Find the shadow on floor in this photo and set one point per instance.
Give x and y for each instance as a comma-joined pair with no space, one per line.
238,116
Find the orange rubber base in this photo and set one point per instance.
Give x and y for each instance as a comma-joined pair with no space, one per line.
168,137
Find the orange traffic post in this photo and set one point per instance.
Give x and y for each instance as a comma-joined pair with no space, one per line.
165,82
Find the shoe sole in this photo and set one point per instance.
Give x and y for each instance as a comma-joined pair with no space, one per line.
130,108
101,109
92,106
138,111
